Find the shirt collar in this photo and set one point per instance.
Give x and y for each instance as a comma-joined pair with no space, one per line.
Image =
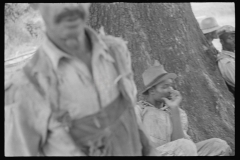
225,54
55,54
231,54
146,104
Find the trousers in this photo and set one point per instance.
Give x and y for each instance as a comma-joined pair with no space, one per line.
184,147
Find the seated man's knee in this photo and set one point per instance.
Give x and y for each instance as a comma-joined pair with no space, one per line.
188,147
221,145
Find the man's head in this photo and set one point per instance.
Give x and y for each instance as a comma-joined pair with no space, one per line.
160,90
209,26
227,37
228,41
157,81
63,20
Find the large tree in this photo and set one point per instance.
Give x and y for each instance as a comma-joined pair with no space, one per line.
170,34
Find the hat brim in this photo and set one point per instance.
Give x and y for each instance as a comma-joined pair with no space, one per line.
226,29
158,80
205,31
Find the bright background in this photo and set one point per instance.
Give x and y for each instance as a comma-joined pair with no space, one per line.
223,12
20,39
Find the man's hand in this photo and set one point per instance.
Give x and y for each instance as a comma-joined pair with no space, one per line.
173,104
175,99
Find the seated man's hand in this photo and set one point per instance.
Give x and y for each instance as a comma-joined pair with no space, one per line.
174,101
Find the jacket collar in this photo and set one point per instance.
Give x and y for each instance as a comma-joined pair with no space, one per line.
225,54
228,53
146,104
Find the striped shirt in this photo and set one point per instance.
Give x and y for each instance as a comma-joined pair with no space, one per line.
157,123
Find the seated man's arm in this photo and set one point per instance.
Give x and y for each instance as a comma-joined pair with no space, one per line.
227,69
173,104
25,122
177,132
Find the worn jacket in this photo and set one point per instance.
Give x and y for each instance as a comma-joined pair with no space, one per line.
64,86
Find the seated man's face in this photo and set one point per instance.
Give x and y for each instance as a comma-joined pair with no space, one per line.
162,90
231,41
228,41
63,20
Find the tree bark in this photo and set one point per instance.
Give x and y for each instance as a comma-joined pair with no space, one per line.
169,33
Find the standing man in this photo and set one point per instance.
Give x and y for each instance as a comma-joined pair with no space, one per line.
75,97
165,123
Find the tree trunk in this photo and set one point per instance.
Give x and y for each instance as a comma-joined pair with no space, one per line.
170,34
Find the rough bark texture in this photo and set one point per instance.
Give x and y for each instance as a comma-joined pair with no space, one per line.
170,33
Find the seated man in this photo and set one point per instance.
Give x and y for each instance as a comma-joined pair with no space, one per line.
209,26
168,134
226,58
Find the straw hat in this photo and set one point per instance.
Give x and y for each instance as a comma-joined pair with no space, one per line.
209,24
200,18
154,75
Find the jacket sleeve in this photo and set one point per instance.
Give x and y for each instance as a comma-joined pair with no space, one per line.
227,69
123,57
25,121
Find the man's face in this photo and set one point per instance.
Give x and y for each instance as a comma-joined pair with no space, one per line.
228,41
231,41
162,90
64,20
211,36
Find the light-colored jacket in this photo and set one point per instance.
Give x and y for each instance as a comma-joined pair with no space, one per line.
226,64
31,122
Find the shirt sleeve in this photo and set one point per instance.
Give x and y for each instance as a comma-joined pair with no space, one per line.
227,69
25,121
147,144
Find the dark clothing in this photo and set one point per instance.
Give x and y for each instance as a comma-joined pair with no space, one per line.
111,131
